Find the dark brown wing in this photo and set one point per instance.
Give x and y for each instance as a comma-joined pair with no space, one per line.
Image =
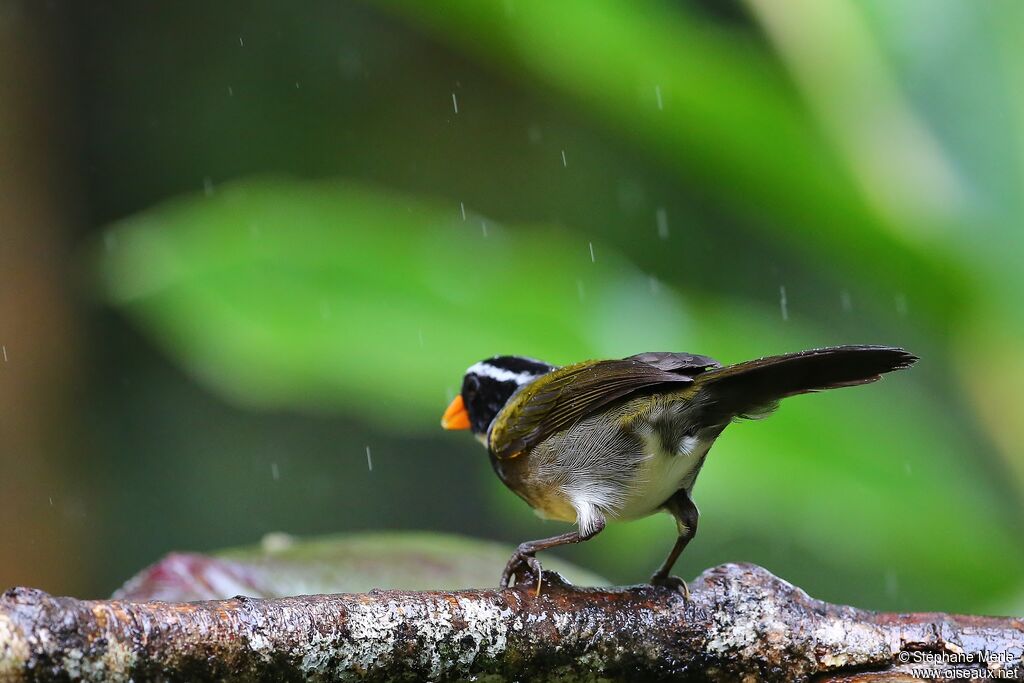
682,363
561,398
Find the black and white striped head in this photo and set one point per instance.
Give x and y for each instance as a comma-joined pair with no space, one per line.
486,388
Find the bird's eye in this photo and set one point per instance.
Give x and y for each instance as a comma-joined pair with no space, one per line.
471,385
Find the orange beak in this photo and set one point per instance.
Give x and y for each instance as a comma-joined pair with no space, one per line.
456,416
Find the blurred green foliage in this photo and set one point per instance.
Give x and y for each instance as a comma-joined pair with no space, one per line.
735,180
325,295
346,296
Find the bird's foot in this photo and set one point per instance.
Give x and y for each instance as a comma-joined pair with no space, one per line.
522,567
673,582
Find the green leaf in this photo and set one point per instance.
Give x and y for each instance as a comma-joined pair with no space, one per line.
282,566
281,293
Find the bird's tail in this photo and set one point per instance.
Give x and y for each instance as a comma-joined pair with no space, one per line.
753,389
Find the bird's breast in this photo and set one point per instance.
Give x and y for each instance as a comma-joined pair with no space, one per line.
625,463
660,475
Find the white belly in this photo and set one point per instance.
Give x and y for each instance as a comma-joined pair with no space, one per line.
660,476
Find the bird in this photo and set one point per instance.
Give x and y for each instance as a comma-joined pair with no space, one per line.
617,440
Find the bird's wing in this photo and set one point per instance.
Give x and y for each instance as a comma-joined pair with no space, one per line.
682,363
561,398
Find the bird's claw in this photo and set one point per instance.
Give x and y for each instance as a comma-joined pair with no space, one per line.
673,582
524,567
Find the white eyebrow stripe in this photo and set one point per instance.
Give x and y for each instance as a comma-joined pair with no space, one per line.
501,374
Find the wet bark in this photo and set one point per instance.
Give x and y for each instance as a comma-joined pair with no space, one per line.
741,623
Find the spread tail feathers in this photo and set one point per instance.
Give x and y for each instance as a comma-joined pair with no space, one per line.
753,388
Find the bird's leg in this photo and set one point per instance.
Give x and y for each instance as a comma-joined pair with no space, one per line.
682,508
524,560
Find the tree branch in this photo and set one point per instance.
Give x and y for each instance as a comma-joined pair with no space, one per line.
742,623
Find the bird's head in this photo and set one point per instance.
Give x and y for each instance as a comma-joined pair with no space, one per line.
486,388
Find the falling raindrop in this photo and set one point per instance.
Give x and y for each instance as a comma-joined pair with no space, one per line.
296,85
892,584
657,94
901,304
455,103
462,207
782,302
231,91
591,251
564,162
369,459
846,301
51,500
274,472
5,352
483,226
241,43
662,219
